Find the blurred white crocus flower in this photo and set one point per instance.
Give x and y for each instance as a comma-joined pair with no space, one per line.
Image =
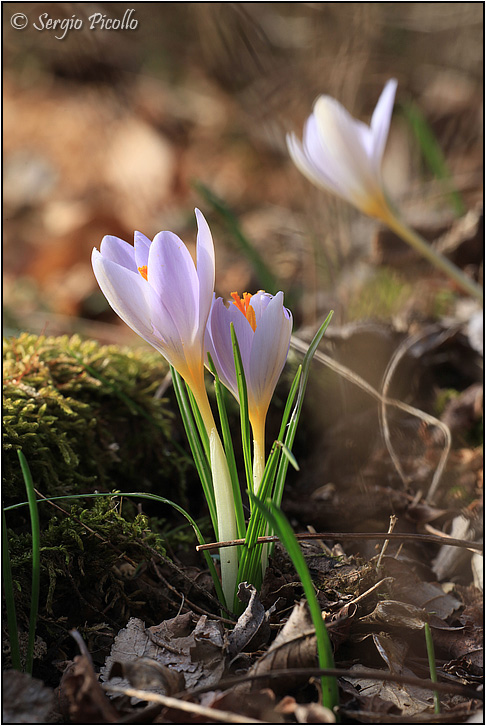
344,155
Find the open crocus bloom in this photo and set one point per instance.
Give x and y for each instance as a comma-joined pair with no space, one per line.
263,327
156,290
344,155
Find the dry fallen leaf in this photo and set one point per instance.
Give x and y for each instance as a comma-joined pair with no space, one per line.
25,699
190,645
294,647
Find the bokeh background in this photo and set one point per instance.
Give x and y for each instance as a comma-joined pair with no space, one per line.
110,131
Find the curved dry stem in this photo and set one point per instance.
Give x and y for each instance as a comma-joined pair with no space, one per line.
352,377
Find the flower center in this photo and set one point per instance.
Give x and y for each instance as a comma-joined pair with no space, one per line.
143,271
245,307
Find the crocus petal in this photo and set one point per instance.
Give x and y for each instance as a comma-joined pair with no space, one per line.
117,250
220,346
263,350
342,142
307,167
126,293
205,267
341,154
142,247
269,351
380,121
172,274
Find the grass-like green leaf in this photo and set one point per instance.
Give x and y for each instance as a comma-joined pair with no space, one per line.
433,154
9,599
294,419
244,416
35,588
278,521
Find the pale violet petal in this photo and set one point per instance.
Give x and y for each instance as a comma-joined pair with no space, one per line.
307,166
205,267
117,250
142,247
269,352
218,343
259,302
126,293
380,121
172,275
167,333
346,157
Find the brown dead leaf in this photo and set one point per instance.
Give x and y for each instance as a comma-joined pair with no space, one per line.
408,587
305,712
25,699
190,645
261,705
410,700
252,629
394,614
80,693
146,674
294,647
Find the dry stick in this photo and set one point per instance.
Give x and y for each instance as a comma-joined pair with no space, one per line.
169,702
385,401
427,538
393,521
362,673
402,349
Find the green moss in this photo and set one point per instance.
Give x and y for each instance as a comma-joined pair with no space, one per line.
88,417
89,564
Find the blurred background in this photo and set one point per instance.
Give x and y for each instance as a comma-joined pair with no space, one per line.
108,131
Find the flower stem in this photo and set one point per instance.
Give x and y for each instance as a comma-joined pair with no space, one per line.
258,428
434,256
223,494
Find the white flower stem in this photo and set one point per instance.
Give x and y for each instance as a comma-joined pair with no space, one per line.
225,509
435,257
223,494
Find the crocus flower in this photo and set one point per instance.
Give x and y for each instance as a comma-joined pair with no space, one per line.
344,155
263,327
158,292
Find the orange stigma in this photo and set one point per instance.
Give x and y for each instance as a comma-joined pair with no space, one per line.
143,271
245,307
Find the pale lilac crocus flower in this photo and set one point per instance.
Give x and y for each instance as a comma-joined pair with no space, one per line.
157,291
263,327
344,155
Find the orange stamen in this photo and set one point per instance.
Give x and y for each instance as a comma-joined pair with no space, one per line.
143,271
245,307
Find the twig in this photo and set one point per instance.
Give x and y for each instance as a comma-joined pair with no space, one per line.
362,673
211,713
391,527
427,538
